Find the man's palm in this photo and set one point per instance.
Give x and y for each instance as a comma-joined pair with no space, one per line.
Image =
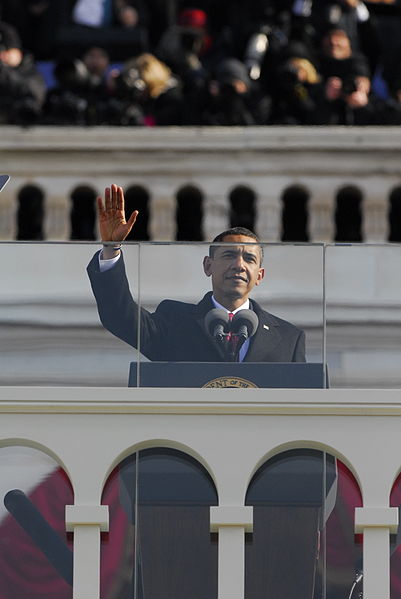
112,223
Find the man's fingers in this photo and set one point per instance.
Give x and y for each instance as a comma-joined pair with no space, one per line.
114,196
132,219
100,207
120,198
114,199
107,197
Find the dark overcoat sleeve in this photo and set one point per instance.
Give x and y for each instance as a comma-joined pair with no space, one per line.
118,311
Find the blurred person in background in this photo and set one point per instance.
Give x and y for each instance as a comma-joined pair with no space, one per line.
35,21
119,26
389,108
298,93
104,13
386,18
352,16
90,91
80,96
233,99
143,91
149,85
187,49
22,88
347,83
97,62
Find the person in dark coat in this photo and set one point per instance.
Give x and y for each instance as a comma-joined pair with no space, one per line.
22,88
176,330
347,83
233,99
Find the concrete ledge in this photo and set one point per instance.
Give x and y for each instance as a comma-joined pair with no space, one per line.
376,517
87,515
241,516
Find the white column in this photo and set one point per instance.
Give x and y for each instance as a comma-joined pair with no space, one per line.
231,523
86,522
376,525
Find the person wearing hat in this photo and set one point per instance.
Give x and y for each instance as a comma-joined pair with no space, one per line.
233,99
22,88
187,47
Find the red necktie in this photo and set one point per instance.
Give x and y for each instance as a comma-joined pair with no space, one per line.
232,340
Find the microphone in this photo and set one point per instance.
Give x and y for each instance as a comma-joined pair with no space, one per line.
244,324
216,322
41,533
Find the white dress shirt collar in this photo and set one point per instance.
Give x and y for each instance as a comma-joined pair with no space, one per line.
244,306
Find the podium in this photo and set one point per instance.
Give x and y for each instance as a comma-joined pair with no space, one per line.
283,551
229,375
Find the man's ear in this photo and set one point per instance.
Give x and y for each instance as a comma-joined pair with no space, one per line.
207,265
261,275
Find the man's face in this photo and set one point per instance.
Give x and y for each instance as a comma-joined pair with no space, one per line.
96,61
12,57
235,270
337,45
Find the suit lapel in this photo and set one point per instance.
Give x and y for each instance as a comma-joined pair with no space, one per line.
266,339
262,345
200,311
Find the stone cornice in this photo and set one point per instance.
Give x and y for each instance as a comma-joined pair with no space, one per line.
108,400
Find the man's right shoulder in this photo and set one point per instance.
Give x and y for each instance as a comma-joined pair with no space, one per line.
169,305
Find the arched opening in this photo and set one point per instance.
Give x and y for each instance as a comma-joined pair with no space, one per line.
137,198
348,215
395,543
394,215
242,207
294,216
303,542
159,544
189,214
83,213
30,213
35,550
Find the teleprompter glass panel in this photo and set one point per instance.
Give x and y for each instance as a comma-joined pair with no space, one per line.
35,550
159,544
303,542
180,286
49,322
363,316
54,332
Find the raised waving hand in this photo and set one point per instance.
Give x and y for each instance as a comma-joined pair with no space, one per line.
112,223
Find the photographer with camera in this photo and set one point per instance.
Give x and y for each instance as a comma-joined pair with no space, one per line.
149,90
297,93
346,82
90,93
79,97
186,45
233,99
22,88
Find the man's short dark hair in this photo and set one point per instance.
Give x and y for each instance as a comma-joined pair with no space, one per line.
235,231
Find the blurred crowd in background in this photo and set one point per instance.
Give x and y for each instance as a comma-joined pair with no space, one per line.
209,62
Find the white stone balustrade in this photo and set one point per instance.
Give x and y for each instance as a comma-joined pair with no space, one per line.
267,159
246,427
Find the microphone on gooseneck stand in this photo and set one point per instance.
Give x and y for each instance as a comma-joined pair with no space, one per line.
244,324
216,323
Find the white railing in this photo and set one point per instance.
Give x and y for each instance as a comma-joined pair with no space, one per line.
88,431
267,159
